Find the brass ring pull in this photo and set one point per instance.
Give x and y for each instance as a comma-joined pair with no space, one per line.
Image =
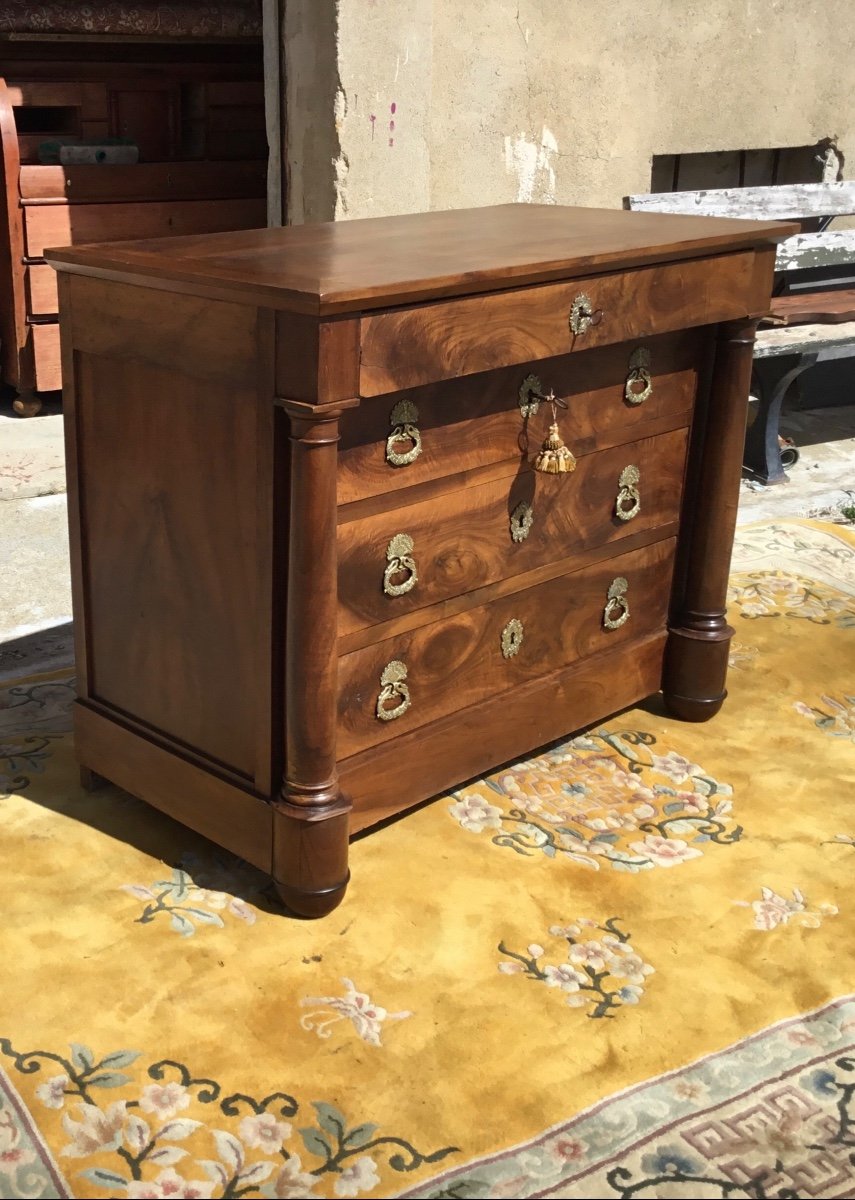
400,561
393,687
583,315
521,521
616,612
512,638
403,419
639,373
628,503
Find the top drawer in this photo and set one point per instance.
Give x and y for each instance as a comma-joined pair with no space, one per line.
408,347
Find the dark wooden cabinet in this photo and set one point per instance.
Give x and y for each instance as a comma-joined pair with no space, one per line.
196,113
317,578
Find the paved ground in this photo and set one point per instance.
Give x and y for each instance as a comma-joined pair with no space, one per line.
34,581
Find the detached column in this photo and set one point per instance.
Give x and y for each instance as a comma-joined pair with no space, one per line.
310,826
699,636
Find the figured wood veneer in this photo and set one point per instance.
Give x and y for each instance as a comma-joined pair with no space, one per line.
231,503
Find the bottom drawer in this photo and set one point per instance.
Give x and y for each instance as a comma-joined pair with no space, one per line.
46,349
404,682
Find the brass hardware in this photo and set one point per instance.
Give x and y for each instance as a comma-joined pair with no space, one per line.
639,372
582,314
399,559
403,419
616,602
393,687
512,636
521,521
628,503
554,457
531,394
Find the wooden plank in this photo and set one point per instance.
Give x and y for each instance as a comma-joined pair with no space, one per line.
348,266
63,225
144,181
803,339
781,202
46,348
831,306
807,251
220,811
41,281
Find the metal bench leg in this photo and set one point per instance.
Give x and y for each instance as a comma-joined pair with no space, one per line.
773,377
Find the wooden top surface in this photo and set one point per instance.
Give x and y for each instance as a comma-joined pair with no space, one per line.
348,266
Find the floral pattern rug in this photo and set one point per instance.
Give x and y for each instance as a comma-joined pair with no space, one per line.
623,968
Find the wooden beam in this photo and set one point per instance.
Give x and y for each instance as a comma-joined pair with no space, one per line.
798,201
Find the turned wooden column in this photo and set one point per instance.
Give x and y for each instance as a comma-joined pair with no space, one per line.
310,827
695,667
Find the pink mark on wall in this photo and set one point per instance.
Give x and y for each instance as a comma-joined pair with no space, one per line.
372,118
393,108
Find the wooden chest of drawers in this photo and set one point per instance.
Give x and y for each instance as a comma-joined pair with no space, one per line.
317,578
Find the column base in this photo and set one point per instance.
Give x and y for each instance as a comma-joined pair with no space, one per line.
694,673
310,847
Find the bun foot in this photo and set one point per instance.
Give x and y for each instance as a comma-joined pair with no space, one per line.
311,904
692,708
28,404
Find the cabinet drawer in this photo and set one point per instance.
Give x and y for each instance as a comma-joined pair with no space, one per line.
47,354
406,347
457,661
484,534
42,291
467,424
67,224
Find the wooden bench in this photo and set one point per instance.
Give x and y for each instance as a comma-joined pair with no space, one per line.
813,309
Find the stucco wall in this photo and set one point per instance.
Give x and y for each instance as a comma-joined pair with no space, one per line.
559,101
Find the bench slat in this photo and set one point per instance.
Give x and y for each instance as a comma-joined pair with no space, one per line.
781,201
803,339
809,250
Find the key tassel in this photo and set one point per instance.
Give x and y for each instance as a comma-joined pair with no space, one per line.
554,457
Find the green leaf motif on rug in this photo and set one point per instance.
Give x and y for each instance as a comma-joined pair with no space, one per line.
136,1127
606,797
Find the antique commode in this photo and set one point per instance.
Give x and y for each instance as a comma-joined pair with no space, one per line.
317,577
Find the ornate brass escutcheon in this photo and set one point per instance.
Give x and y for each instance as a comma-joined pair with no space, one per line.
581,314
392,688
521,521
404,421
628,503
512,637
531,394
616,612
400,562
639,384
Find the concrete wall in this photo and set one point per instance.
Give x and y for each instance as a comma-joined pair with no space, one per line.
450,103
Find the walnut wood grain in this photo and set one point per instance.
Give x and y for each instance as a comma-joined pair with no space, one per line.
463,541
471,422
142,181
352,266
462,745
410,347
458,661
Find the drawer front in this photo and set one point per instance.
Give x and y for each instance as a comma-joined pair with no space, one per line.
41,284
468,424
47,354
67,224
447,665
398,561
408,347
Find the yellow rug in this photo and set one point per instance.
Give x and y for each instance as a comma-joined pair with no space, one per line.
622,968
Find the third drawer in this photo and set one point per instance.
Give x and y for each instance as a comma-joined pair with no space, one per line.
445,666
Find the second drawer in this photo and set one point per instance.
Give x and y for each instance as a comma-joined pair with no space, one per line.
424,553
